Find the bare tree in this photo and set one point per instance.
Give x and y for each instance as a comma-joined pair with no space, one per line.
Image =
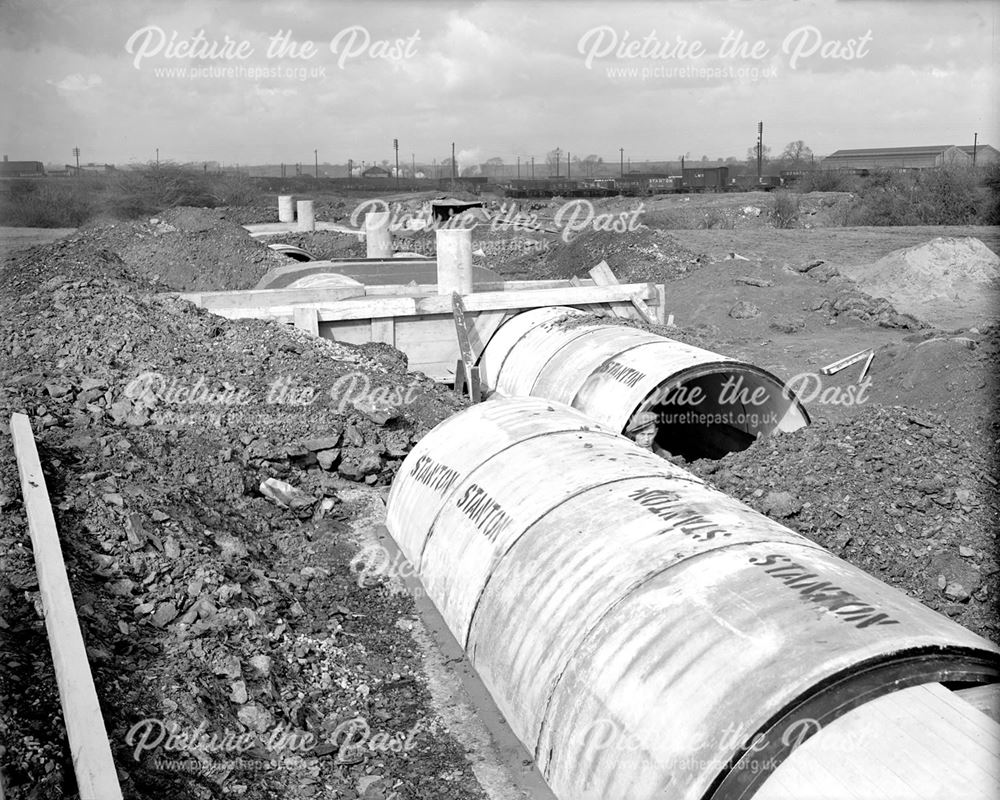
796,153
589,164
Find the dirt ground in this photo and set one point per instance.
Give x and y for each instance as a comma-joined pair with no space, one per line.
212,544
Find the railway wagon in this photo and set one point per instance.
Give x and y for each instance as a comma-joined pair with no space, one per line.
701,179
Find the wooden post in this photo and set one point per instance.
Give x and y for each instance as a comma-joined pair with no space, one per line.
96,776
306,319
378,237
454,260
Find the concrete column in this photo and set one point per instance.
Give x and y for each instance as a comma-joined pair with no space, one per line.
377,234
307,221
454,260
286,208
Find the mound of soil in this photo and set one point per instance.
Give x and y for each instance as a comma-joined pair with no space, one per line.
203,474
903,494
192,249
951,283
642,255
952,375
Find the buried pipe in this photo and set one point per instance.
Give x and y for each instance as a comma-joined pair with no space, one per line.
305,214
643,634
286,208
454,260
378,236
705,404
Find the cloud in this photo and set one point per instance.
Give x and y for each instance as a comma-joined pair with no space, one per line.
77,82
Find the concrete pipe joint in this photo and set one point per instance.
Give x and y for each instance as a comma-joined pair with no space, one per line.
643,634
705,404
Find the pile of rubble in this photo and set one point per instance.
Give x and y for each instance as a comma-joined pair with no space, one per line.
206,477
902,494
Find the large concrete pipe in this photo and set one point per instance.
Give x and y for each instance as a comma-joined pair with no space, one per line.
454,260
286,208
643,634
707,405
305,214
378,236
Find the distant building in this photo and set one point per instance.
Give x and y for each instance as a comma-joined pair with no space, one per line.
944,155
91,168
21,169
375,172
985,154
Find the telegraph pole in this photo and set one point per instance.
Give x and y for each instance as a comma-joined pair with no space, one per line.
157,157
760,148
975,141
316,163
532,168
76,152
558,160
519,167
621,156
395,146
452,162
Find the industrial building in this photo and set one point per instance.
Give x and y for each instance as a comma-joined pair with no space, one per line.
21,169
927,157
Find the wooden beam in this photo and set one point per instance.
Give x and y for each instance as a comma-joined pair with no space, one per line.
96,776
482,301
306,319
384,330
603,276
264,298
661,302
601,311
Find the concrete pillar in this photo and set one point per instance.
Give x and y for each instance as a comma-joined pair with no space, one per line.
304,210
454,260
377,234
286,208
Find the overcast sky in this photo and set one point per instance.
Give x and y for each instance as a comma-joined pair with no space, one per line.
501,79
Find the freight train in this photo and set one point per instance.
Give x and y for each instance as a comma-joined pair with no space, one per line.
691,179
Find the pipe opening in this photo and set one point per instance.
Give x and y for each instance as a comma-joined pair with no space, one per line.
709,413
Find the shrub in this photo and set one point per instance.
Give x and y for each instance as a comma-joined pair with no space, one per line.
785,212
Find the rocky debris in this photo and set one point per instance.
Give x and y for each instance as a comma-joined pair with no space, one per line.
751,281
787,324
808,266
904,495
203,601
744,309
645,254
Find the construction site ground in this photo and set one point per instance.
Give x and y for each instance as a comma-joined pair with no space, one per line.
223,547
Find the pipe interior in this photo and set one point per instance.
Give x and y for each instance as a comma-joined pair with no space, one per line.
723,411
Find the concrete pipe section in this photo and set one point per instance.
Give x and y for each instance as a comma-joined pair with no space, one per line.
706,404
643,634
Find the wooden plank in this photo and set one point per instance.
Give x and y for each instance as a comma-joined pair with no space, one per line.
306,319
266,298
96,776
483,326
645,311
600,311
660,304
384,330
603,276
920,743
983,698
463,370
366,308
